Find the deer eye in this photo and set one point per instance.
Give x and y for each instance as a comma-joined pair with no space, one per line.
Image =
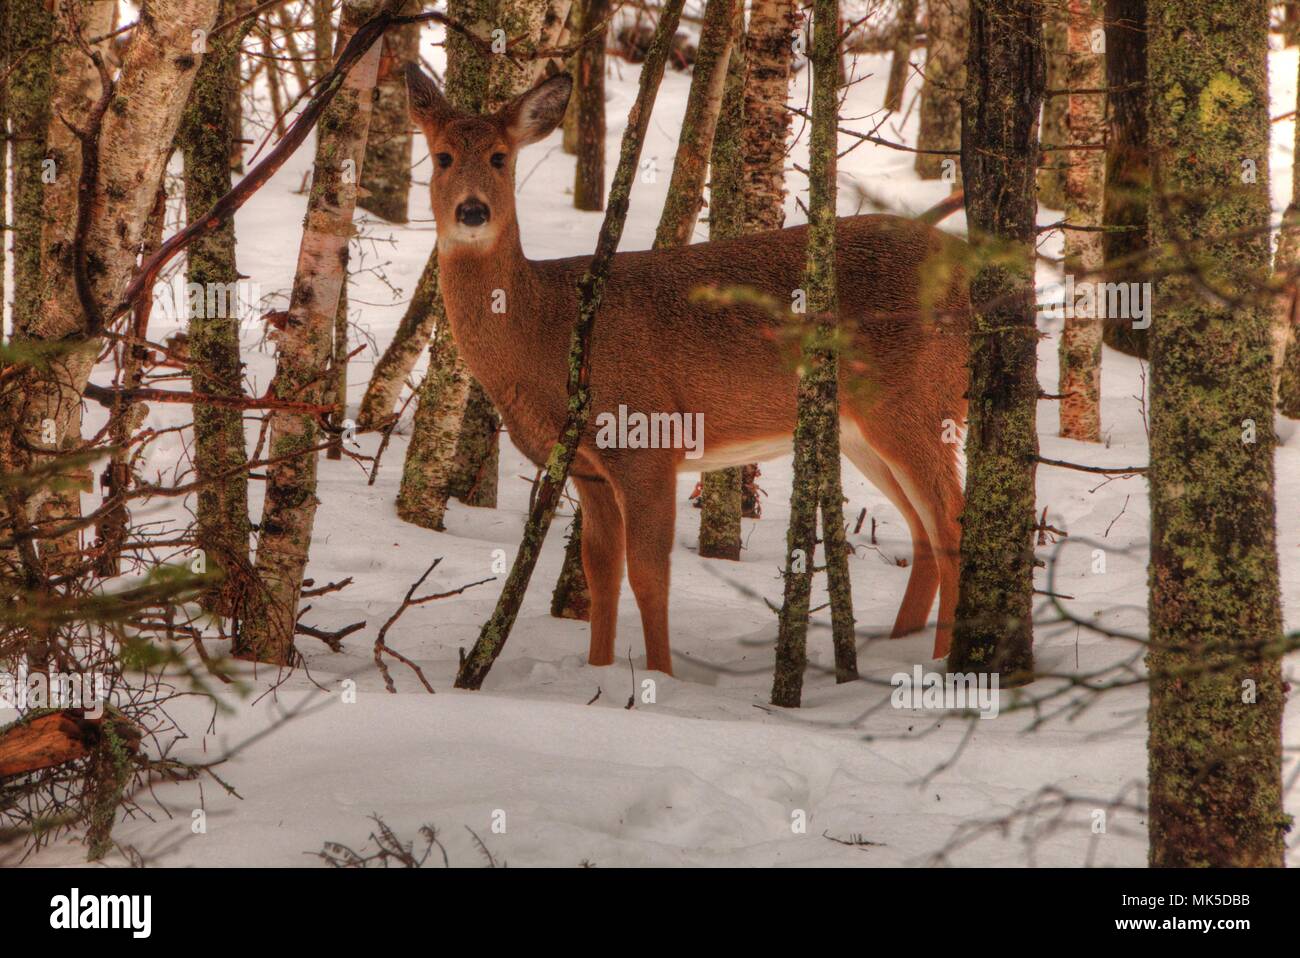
499,160
444,160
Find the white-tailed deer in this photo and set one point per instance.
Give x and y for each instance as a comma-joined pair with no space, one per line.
657,349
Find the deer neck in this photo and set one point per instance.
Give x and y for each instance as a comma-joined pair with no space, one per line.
493,299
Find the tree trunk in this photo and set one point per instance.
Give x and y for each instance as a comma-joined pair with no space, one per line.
131,147
1080,353
206,140
322,37
1286,265
478,451
1128,162
402,353
1217,695
720,490
769,53
1055,129
303,349
900,65
27,37
338,370
941,94
440,408
816,483
1004,78
387,183
589,120
690,165
571,598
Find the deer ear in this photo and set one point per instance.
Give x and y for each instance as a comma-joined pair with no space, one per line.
531,116
429,108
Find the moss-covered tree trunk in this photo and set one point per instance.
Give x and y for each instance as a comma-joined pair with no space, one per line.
769,54
721,502
589,115
900,64
571,598
695,141
386,186
816,484
1080,352
1055,129
1128,163
1005,71
945,78
28,31
303,350
403,352
496,631
478,451
1215,718
206,139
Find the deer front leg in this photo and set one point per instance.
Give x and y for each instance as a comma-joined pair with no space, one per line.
602,563
649,514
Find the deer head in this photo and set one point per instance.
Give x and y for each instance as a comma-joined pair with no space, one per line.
472,188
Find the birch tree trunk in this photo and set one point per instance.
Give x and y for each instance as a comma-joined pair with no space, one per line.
206,139
128,148
816,440
945,78
1080,352
1004,77
1217,693
303,348
769,54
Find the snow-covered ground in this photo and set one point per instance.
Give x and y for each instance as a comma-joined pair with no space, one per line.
707,773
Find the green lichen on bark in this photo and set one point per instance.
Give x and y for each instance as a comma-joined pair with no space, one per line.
1217,696
206,136
945,76
993,631
816,483
27,103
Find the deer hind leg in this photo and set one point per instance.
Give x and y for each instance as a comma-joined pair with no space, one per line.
923,582
602,562
649,514
925,467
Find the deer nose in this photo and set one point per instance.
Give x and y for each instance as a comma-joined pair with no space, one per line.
472,212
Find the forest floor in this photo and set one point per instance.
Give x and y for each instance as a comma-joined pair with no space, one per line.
708,773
